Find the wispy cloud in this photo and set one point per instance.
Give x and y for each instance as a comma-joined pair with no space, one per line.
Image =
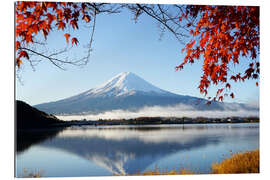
179,110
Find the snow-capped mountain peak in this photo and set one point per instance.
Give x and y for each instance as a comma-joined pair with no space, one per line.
126,91
125,83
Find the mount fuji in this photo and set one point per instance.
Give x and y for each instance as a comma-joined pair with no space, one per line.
125,91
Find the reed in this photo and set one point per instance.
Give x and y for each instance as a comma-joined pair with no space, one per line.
247,162
244,162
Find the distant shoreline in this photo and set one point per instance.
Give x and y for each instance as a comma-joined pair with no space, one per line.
159,121
28,117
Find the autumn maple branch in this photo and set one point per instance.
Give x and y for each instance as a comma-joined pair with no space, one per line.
50,58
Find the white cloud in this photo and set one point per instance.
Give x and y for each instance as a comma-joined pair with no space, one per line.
160,111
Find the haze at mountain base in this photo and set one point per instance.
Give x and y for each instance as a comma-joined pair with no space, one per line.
127,92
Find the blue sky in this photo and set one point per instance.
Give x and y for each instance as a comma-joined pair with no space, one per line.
120,45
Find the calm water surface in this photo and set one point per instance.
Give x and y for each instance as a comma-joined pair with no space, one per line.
109,150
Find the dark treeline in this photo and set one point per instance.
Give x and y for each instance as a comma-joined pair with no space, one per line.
164,120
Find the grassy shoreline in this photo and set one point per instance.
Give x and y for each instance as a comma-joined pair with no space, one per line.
238,163
247,162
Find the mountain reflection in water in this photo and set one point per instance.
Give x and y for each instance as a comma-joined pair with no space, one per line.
129,149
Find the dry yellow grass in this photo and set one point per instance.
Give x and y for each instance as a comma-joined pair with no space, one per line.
27,174
247,162
159,172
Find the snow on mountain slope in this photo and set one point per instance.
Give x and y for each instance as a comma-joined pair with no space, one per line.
125,91
125,83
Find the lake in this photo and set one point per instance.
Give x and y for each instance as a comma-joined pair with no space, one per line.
109,150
